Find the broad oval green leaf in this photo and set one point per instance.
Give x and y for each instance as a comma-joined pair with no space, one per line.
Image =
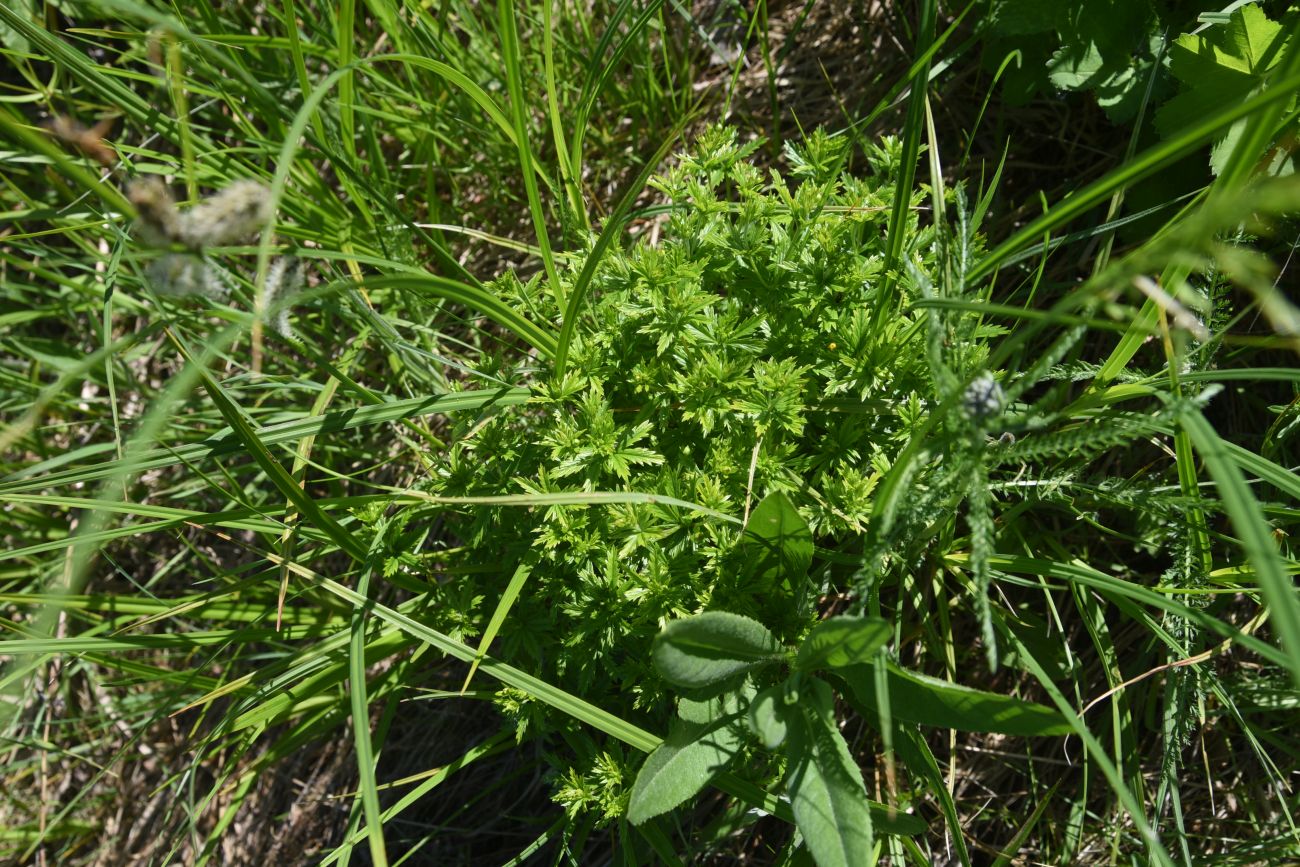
777,543
842,641
689,757
825,786
713,708
769,716
711,647
929,701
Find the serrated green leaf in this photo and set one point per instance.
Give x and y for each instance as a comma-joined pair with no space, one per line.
929,701
711,647
1225,64
825,785
683,764
842,641
1075,67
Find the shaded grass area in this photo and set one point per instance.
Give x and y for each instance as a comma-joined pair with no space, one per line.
189,690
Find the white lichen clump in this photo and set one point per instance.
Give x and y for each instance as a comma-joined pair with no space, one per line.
983,398
235,214
181,274
284,279
230,216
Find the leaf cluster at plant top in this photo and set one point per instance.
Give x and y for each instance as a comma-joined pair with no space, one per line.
1128,51
739,356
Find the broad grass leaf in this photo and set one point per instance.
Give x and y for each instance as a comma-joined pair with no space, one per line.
842,641
825,785
711,647
917,698
688,758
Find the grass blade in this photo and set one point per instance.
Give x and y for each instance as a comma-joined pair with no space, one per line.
1253,530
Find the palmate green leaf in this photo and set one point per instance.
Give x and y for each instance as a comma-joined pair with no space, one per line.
1226,62
842,641
917,698
1221,67
712,647
825,785
690,756
777,542
1079,202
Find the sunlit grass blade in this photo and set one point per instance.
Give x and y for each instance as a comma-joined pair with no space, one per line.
499,614
913,135
360,705
275,471
1098,754
538,336
29,479
1111,586
571,182
1252,529
519,111
612,229
493,745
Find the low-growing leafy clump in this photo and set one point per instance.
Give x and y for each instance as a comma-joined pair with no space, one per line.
803,529
743,356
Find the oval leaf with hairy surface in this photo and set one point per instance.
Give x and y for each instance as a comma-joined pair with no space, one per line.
711,709
709,648
679,767
767,716
842,641
777,543
929,701
825,785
